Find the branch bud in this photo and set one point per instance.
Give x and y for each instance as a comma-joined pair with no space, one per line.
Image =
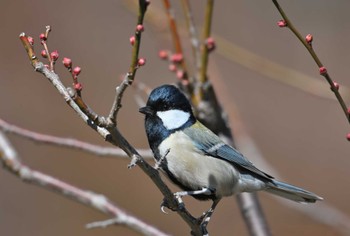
180,74
132,40
67,62
348,136
336,85
42,37
177,58
172,67
140,28
323,70
282,23
54,55
210,43
309,38
163,54
76,70
141,62
78,86
30,40
43,53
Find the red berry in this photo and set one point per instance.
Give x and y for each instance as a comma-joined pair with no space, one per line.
163,54
43,53
42,37
309,38
140,28
141,62
282,23
323,70
54,55
78,86
30,40
177,57
76,70
132,40
67,62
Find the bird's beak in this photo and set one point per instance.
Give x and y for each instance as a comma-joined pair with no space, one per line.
146,110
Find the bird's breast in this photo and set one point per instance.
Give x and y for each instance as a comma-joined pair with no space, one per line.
195,170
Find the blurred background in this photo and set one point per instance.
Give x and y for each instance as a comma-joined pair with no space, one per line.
300,129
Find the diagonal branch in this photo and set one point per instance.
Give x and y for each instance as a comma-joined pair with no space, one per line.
308,45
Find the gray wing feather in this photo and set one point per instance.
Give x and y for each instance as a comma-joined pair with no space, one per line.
211,145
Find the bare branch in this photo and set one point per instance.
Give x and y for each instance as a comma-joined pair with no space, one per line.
307,42
193,33
69,142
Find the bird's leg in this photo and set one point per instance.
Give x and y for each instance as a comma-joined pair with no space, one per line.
179,195
205,218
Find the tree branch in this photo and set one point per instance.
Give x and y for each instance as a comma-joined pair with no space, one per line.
307,42
68,142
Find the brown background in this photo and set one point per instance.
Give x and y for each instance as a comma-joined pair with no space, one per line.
301,135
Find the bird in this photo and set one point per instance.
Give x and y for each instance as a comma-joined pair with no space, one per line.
197,160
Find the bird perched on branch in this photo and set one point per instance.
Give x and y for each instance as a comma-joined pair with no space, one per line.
197,160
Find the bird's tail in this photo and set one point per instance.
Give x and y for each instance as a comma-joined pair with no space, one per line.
292,192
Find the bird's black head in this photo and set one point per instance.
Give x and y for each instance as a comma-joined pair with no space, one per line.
164,98
167,110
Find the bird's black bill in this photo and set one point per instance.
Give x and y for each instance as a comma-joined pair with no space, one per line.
146,110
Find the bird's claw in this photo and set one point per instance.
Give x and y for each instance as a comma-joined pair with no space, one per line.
162,208
164,205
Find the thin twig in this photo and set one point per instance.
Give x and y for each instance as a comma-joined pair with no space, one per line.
129,77
68,142
186,81
313,54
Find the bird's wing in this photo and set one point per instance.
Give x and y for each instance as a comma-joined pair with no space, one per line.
213,146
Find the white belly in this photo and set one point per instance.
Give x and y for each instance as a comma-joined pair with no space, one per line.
198,171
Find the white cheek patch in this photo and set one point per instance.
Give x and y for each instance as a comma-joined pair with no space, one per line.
173,119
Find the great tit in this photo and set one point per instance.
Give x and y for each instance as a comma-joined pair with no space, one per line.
197,160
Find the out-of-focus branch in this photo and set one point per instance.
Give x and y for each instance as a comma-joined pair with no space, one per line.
68,142
186,82
307,42
99,202
174,33
203,77
192,32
